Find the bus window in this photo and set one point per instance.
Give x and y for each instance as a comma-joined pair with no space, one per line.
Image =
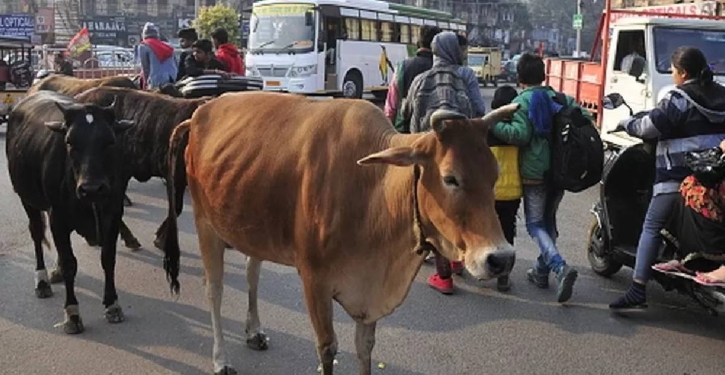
386,32
369,31
352,27
415,31
405,34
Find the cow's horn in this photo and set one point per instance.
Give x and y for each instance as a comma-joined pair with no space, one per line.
111,106
500,114
437,118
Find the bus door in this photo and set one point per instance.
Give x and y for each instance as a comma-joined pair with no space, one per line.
331,35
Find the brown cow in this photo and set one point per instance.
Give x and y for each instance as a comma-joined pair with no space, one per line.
276,177
72,86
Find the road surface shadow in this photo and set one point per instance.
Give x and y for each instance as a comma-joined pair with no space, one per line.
580,316
181,322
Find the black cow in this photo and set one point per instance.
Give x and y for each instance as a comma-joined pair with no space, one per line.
147,143
63,158
145,146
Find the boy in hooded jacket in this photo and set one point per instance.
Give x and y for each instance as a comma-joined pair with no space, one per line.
227,53
530,128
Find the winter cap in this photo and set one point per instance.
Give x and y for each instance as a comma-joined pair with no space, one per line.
150,31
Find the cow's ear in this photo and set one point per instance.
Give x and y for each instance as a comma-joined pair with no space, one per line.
57,126
400,156
121,126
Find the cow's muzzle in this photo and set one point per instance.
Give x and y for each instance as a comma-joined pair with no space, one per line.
92,191
492,262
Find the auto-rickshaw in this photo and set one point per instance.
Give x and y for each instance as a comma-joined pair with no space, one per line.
486,62
15,72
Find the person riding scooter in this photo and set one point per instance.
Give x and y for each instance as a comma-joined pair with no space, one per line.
691,117
698,222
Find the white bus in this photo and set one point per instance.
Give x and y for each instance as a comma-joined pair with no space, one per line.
344,46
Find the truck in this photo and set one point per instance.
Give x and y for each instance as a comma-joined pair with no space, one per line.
650,35
486,63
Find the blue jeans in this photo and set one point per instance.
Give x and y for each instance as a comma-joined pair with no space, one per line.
650,241
540,205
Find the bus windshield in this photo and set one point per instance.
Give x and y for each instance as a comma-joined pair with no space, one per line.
710,42
282,28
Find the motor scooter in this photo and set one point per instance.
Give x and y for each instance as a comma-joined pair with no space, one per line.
625,193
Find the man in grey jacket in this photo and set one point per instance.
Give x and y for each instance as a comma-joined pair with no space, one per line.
447,85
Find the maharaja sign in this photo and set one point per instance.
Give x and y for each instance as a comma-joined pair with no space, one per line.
106,30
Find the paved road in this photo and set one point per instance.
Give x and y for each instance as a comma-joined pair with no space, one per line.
475,331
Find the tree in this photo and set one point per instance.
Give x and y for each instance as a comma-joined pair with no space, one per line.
214,17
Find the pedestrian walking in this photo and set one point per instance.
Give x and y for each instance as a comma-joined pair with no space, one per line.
445,86
404,74
508,190
530,128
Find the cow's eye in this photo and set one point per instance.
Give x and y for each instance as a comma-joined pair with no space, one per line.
450,181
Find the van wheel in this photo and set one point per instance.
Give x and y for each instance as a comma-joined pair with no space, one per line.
352,86
601,263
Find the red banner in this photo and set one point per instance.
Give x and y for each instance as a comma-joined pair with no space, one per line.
80,43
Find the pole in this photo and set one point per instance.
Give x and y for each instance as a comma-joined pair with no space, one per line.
196,8
579,30
603,61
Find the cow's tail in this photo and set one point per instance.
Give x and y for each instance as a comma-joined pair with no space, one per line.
172,252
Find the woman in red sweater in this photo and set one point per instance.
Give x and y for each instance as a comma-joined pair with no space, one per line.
227,53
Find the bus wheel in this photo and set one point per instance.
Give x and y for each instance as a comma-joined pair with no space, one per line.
352,86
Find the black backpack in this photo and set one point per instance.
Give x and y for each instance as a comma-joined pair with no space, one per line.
577,152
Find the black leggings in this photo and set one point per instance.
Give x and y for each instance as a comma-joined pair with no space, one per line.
506,211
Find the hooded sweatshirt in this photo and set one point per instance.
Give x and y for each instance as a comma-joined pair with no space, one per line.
449,52
691,117
228,55
157,58
424,97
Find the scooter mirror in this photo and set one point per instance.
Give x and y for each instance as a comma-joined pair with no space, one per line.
612,101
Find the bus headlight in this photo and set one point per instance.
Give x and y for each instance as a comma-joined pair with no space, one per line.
302,71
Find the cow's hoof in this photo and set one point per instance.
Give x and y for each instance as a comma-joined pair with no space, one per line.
114,314
258,342
56,276
43,290
133,244
73,325
227,370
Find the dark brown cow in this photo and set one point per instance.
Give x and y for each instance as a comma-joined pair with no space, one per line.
277,177
72,86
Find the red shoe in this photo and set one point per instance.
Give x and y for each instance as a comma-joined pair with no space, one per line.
444,286
457,268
